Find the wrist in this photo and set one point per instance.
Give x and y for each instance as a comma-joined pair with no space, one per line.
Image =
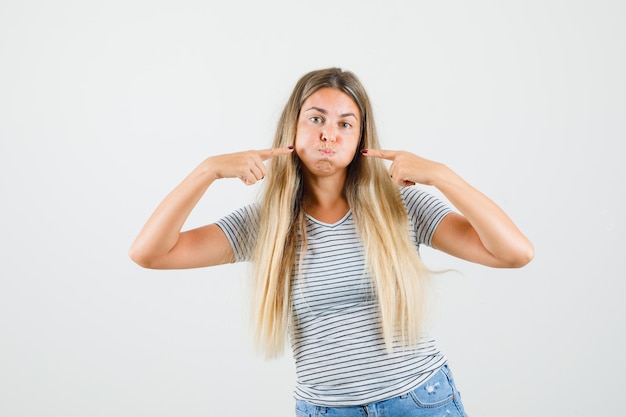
441,175
207,170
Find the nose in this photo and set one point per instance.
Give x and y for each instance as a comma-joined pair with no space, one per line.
328,134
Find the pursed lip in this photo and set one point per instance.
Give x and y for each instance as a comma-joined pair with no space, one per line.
326,151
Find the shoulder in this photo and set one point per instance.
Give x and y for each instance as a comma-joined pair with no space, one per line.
241,227
411,193
241,217
415,198
422,205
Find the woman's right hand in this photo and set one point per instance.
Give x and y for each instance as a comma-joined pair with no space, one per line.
248,166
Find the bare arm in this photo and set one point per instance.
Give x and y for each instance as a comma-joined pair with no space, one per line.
482,233
161,244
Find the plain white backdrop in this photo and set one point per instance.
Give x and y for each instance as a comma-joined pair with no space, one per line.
106,106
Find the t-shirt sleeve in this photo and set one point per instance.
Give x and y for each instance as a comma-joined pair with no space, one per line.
241,228
425,212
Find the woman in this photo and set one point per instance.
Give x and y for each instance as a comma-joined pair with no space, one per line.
334,241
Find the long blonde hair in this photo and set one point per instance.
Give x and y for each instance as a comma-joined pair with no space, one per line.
381,219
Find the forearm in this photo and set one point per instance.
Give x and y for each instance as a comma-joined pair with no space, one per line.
496,231
162,230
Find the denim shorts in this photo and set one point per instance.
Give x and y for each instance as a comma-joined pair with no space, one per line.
435,397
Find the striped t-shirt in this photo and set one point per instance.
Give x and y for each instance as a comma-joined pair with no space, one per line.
336,337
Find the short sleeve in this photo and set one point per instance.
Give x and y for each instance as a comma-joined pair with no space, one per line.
241,228
425,212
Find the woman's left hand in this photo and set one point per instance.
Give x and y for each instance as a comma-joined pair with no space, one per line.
407,168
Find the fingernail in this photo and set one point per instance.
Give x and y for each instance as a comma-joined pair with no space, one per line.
364,151
290,147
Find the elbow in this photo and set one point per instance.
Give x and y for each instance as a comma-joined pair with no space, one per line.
520,257
140,258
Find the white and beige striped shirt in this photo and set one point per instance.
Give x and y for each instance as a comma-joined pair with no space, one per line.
336,335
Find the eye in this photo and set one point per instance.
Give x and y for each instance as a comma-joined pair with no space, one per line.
345,125
316,119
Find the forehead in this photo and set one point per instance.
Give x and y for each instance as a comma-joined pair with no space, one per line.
332,101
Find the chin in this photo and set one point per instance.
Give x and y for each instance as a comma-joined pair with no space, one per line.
323,166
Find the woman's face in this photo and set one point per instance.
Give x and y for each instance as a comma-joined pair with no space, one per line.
328,132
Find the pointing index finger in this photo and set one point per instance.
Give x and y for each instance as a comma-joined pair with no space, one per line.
380,153
266,154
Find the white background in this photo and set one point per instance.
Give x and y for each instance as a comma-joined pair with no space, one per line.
106,106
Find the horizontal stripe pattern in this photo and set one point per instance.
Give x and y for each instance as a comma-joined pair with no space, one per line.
335,333
241,228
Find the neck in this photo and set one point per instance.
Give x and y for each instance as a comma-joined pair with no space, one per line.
325,198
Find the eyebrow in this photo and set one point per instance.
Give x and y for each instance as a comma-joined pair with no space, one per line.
325,112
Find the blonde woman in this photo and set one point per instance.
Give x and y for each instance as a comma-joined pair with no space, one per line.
334,242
